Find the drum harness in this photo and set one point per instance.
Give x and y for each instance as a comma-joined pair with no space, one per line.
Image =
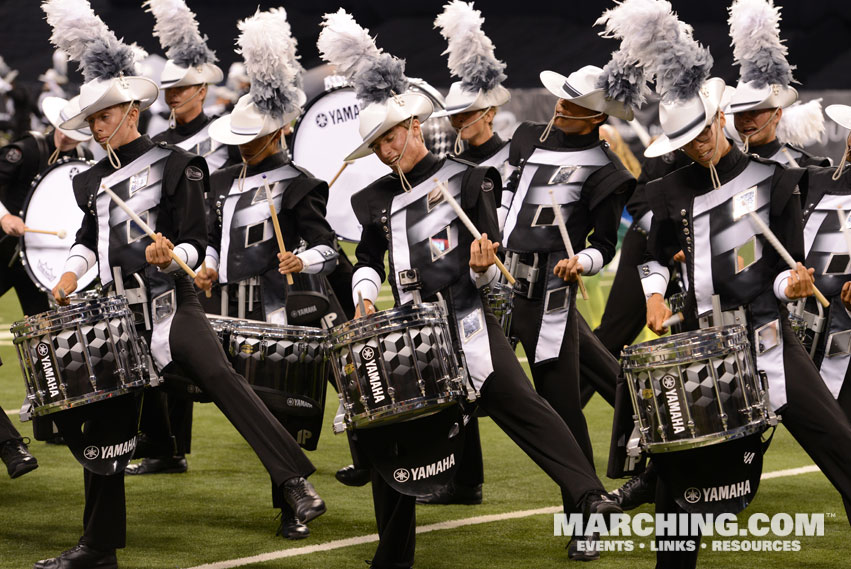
815,322
526,274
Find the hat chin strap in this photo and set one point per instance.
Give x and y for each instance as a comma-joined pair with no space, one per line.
842,162
557,115
713,173
172,119
757,131
110,153
402,179
244,170
458,142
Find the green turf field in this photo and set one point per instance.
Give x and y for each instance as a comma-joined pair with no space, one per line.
220,510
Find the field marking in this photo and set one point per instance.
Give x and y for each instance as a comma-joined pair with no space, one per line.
451,524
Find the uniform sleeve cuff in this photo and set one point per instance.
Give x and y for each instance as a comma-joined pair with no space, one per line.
319,259
591,260
187,253
3,210
486,278
367,282
654,278
645,221
212,259
780,282
80,260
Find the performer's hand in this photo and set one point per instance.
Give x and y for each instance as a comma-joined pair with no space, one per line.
680,257
846,295
368,305
289,263
482,254
12,225
205,277
159,252
800,282
68,284
569,269
657,313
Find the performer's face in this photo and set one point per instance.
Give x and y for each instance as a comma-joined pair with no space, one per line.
475,128
749,123
391,149
260,148
586,121
187,101
710,145
108,121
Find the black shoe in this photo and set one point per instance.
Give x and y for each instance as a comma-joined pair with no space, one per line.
352,476
55,440
637,490
167,465
303,499
584,548
80,557
600,503
18,459
290,527
454,493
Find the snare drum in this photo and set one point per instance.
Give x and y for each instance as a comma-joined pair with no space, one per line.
395,365
500,299
695,389
82,353
677,302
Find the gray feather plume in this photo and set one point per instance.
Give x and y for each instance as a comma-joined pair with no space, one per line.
471,52
623,80
375,75
270,61
801,124
87,40
757,48
654,38
177,29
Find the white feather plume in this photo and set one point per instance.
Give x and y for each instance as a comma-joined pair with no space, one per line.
375,75
757,48
471,52
270,61
177,30
801,124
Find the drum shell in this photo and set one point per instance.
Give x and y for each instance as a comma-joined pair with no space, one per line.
80,354
307,299
694,389
395,365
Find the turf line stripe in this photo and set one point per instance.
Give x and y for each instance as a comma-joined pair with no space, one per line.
451,524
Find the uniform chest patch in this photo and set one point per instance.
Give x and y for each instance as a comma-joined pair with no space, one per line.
13,155
194,173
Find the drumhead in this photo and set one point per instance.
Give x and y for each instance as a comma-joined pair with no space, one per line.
51,206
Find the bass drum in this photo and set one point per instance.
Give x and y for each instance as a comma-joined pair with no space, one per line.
51,206
327,131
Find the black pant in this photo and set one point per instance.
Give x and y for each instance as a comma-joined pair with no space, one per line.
527,418
598,369
197,351
15,276
8,432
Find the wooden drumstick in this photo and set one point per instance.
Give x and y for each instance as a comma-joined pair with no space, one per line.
472,228
146,228
208,292
673,320
62,234
568,246
340,171
276,223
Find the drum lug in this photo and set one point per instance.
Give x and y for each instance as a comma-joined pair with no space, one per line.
391,392
691,428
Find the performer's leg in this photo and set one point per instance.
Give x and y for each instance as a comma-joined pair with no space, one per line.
667,554
13,450
180,418
105,514
8,432
395,515
32,299
844,398
597,367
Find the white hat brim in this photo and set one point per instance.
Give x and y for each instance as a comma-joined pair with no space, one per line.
141,90
460,101
747,97
416,105
840,114
668,142
52,109
223,131
595,100
175,76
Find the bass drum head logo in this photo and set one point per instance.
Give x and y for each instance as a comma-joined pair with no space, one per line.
91,452
668,382
42,349
368,353
321,120
401,475
692,495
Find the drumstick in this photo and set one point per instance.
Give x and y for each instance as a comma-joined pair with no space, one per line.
361,304
843,225
276,223
340,171
472,228
568,246
146,228
673,320
208,292
60,234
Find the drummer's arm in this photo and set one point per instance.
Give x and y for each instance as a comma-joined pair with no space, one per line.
369,269
186,204
81,258
10,166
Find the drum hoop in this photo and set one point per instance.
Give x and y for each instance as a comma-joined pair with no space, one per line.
56,406
427,314
709,439
88,312
288,332
701,344
397,412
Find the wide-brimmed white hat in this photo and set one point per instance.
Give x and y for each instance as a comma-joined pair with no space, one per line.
580,87
749,97
99,94
58,110
173,75
840,114
683,121
248,122
459,100
378,118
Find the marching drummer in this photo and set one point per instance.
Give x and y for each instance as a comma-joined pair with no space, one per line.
168,182
394,212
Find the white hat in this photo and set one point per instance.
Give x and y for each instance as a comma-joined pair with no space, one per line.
840,114
471,57
377,118
99,94
682,121
58,110
580,87
750,97
190,61
247,122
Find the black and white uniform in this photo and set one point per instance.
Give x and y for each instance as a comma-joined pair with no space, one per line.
827,252
783,153
408,226
689,215
194,138
591,186
164,185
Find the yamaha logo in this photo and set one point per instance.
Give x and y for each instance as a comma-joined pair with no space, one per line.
692,495
401,475
91,452
321,120
668,382
43,349
367,353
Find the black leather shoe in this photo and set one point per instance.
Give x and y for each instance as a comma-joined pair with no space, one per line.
290,527
80,557
166,465
584,548
303,499
351,476
454,493
600,503
637,490
17,458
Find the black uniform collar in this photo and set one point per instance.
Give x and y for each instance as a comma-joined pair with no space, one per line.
731,165
193,126
421,170
269,163
767,150
483,151
558,139
132,150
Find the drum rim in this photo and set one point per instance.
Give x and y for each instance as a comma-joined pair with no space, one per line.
39,410
707,343
368,326
757,425
73,314
382,417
